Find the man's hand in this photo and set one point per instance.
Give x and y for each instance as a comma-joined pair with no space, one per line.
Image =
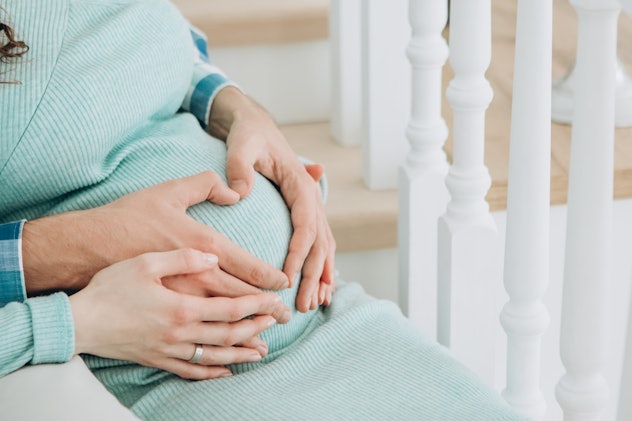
63,252
255,143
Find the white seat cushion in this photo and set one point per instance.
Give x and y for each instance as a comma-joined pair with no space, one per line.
66,392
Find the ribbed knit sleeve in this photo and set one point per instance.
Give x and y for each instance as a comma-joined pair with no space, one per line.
38,331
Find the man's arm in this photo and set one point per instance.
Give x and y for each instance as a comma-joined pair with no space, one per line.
63,252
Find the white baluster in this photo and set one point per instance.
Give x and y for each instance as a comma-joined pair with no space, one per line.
583,392
422,192
385,90
564,89
346,65
624,409
467,232
526,268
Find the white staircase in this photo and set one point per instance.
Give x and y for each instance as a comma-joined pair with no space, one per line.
279,52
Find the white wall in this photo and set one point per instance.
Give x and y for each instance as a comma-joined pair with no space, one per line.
290,80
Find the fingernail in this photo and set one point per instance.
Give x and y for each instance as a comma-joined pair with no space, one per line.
270,322
254,357
287,315
287,280
293,279
211,259
239,186
263,350
228,374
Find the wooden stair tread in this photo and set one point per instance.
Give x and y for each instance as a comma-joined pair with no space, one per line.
362,219
248,22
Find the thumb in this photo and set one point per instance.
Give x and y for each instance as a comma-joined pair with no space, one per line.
206,185
240,172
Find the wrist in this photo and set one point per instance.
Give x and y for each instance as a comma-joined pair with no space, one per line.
81,321
229,106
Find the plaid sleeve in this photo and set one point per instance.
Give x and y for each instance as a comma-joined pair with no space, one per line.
11,273
206,82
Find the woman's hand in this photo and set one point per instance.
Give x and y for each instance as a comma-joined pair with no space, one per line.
127,313
64,251
255,143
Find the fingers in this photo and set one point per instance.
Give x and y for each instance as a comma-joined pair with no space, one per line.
222,309
307,297
191,371
318,269
226,343
328,281
242,265
200,187
315,171
301,242
255,343
240,161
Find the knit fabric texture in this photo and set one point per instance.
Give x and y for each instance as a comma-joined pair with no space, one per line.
97,117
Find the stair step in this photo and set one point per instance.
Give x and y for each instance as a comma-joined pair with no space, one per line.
362,219
251,22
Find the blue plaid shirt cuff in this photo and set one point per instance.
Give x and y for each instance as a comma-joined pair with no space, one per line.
11,272
207,80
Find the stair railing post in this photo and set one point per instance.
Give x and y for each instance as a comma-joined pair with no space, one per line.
385,90
582,391
526,268
346,68
422,192
468,247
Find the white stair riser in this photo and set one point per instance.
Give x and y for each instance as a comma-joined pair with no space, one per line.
292,81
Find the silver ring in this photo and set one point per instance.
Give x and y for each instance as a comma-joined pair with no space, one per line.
199,350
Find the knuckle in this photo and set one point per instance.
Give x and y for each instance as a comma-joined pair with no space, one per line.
311,230
320,249
189,258
204,240
230,338
212,176
188,372
257,275
145,265
236,312
181,315
171,337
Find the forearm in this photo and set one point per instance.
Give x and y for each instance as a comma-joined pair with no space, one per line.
62,252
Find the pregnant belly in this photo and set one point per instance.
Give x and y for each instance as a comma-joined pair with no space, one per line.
260,223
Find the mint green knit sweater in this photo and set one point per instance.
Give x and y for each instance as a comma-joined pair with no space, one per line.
96,117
